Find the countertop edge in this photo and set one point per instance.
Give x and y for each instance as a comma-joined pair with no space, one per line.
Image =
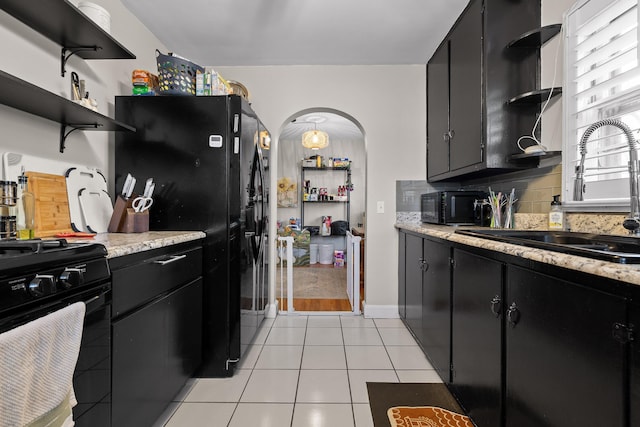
121,244
621,272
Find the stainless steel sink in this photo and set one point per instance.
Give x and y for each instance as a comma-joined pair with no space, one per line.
620,249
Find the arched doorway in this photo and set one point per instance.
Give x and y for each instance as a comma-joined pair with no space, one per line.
319,279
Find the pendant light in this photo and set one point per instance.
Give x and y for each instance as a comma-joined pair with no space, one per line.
315,139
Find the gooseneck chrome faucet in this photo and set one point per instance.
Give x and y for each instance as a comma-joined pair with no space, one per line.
632,222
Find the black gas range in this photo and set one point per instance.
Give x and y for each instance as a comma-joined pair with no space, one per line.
38,277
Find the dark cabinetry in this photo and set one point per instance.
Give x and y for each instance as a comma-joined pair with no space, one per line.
563,365
426,298
470,128
530,344
476,337
156,329
634,366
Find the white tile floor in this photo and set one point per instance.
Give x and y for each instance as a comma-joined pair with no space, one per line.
305,371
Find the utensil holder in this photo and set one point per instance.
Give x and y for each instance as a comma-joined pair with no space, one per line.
126,220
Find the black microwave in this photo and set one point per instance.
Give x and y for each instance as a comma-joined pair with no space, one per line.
453,207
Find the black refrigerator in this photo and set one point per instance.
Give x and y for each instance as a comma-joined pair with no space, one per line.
208,157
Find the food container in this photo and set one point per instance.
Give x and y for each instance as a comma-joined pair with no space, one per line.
97,14
8,227
8,193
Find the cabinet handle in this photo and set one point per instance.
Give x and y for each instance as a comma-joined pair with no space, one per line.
496,305
452,133
171,259
513,315
445,136
424,266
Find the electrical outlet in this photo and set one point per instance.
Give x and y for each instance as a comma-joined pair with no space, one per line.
380,207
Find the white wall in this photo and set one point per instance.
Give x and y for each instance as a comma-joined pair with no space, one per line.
552,13
389,103
34,58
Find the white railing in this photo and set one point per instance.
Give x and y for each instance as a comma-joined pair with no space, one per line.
353,271
285,252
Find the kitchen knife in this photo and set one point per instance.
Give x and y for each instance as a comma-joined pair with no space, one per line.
127,184
147,187
131,187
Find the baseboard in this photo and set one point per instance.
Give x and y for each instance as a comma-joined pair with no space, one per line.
271,310
380,311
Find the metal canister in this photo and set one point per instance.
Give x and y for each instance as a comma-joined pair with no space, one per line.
8,227
8,193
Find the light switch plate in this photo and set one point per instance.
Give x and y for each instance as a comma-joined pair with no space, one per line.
380,207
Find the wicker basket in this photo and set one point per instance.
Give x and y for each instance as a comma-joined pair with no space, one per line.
177,76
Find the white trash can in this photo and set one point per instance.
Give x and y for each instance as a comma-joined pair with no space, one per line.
325,254
313,253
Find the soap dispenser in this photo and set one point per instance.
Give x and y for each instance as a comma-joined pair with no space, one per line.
556,218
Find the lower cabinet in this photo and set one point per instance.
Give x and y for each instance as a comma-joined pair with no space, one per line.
436,305
476,355
425,297
634,366
563,365
522,344
413,289
156,332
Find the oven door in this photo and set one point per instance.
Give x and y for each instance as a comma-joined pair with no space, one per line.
92,377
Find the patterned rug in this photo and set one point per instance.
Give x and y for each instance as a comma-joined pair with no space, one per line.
426,416
316,282
387,401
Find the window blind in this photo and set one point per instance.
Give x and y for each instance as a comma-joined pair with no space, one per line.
602,80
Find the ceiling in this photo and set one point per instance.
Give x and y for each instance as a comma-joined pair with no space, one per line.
299,32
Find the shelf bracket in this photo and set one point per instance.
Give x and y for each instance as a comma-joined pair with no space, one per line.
64,133
64,57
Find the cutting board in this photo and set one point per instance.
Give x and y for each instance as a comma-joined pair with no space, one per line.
52,204
96,209
93,185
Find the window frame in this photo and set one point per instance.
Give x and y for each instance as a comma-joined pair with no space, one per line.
571,139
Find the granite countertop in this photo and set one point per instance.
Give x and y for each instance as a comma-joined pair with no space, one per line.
120,244
623,272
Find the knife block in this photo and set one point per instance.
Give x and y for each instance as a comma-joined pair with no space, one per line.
126,220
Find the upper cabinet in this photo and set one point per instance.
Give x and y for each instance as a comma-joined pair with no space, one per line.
471,127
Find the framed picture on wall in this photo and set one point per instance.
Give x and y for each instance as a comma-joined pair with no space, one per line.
287,193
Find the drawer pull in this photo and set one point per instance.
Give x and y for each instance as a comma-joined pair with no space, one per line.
171,259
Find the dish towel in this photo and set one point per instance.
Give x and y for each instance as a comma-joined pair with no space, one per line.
37,361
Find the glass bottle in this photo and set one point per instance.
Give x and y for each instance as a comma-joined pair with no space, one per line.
26,210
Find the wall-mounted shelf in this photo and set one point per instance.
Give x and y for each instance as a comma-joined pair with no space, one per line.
63,23
535,96
536,38
310,168
22,95
539,155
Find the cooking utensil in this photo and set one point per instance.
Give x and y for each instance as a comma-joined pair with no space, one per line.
96,209
51,204
131,186
141,204
147,187
83,178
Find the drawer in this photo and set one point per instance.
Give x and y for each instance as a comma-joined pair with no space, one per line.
137,284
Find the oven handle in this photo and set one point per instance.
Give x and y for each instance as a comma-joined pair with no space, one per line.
101,297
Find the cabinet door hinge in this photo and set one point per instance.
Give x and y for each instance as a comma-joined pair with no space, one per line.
622,333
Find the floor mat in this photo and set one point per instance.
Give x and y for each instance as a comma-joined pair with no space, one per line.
383,396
